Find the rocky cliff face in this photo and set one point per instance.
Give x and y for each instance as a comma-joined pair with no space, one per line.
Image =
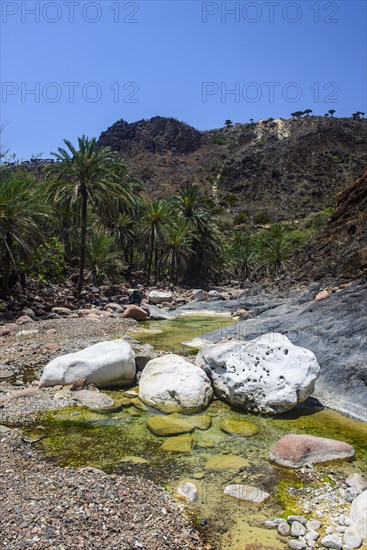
285,167
340,251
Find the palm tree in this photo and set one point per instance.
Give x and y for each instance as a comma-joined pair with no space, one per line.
155,216
178,240
195,209
89,176
273,250
22,211
243,255
102,257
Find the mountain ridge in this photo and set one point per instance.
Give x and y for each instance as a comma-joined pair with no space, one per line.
287,167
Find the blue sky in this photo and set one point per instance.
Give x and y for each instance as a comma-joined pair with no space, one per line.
92,63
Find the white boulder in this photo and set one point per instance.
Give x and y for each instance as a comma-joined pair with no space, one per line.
104,364
358,514
267,375
159,296
171,384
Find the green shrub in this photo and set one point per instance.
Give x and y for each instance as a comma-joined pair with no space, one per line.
49,262
262,218
319,221
240,218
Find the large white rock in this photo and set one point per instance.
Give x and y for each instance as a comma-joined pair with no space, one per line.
104,364
159,296
171,384
267,375
358,514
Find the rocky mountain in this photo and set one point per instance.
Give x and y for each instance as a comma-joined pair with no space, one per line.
287,168
340,251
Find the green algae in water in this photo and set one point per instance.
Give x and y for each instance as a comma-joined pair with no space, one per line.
77,437
173,332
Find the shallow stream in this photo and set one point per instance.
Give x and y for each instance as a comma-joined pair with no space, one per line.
120,442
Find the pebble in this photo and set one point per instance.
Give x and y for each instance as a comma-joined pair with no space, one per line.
300,519
297,529
297,545
284,529
331,541
313,524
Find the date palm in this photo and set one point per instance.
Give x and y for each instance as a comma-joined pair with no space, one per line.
89,176
155,216
22,212
178,241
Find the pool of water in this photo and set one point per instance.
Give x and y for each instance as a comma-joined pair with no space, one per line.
120,442
170,335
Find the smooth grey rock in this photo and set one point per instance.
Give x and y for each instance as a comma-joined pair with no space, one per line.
158,314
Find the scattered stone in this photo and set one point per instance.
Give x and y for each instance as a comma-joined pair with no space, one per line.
5,374
239,427
179,444
104,364
199,295
300,519
159,296
311,535
113,307
313,524
246,492
331,541
94,400
23,319
356,481
17,394
61,311
297,529
295,450
284,529
322,295
52,346
169,425
135,312
297,545
188,491
172,384
267,375
226,462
